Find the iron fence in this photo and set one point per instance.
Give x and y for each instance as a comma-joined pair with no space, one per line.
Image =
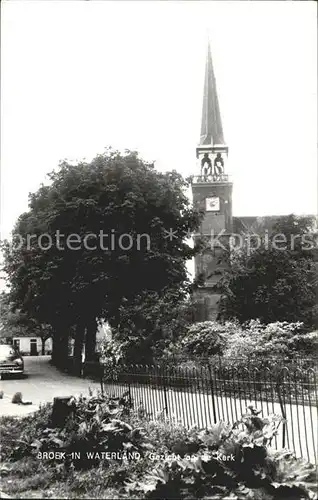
203,395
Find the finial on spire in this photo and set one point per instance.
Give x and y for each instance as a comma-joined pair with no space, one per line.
211,127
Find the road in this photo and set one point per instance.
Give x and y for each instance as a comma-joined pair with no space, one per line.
42,383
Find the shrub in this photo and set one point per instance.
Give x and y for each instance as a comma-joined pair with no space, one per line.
111,351
207,338
237,344
150,321
95,425
258,344
231,462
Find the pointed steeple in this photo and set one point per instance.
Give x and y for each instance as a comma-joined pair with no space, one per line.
211,127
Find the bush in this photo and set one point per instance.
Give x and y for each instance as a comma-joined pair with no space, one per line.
111,351
148,327
229,462
95,425
207,338
257,344
239,345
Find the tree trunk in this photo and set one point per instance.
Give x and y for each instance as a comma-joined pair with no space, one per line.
60,349
78,348
90,341
64,351
55,342
61,410
43,345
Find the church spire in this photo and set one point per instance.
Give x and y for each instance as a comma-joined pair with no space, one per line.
211,127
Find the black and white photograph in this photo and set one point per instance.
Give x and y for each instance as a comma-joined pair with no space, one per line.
159,250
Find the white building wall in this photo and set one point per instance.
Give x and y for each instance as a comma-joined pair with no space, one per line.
25,344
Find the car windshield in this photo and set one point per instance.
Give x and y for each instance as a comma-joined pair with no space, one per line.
6,350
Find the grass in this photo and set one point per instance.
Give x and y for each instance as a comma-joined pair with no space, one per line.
29,478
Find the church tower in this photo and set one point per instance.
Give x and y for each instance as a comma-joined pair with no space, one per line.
212,192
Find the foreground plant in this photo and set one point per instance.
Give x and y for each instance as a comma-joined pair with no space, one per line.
232,462
224,461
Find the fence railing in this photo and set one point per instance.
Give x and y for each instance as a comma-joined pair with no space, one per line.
204,395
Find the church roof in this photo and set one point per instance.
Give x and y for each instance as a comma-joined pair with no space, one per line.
254,223
258,224
211,126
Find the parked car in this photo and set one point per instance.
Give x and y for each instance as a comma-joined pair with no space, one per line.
11,361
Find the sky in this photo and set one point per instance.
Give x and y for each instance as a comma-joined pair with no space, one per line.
78,76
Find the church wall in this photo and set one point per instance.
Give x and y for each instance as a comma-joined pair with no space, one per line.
222,219
207,305
216,227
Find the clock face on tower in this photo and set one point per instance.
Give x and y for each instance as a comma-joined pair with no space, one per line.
212,204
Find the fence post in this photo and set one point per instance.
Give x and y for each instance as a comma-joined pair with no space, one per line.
129,388
279,381
212,393
165,391
102,378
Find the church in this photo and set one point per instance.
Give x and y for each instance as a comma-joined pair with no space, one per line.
212,189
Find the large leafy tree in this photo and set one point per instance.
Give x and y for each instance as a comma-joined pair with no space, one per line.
276,281
144,217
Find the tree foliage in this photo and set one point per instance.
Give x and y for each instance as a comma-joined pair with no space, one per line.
276,281
15,323
135,261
